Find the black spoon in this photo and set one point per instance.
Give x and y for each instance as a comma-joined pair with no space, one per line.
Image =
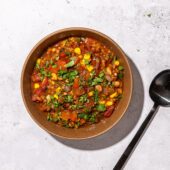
160,93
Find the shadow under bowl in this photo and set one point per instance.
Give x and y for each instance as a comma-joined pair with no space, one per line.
40,117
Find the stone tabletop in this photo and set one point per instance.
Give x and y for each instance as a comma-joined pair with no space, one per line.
140,27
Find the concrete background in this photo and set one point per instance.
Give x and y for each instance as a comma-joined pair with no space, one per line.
141,28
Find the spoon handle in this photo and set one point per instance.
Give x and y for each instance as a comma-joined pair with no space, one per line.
121,162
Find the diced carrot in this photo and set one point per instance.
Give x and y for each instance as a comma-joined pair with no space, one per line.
65,115
73,116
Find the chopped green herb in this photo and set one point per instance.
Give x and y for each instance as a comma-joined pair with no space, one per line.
68,98
96,96
61,73
37,66
48,74
56,104
51,62
97,80
70,64
92,118
68,53
101,75
120,68
83,116
101,107
120,75
54,66
83,98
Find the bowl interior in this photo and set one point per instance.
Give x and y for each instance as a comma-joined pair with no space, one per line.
40,117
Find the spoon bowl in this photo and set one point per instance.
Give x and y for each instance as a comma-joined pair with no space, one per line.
160,89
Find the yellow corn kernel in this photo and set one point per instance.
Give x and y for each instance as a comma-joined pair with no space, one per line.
87,56
89,68
102,102
54,76
91,93
55,96
36,86
114,95
109,103
53,49
38,61
77,50
58,89
116,63
82,62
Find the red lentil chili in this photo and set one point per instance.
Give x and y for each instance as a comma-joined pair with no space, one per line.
77,81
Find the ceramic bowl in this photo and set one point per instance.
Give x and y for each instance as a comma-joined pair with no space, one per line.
40,117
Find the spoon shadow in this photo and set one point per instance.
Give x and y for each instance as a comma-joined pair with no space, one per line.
123,127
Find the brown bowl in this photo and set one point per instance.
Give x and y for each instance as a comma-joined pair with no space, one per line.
40,117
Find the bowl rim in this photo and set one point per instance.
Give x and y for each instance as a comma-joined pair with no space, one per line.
62,31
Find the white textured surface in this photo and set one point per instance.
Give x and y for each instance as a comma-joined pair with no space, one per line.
145,39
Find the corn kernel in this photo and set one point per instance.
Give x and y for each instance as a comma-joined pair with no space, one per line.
55,96
53,76
91,93
82,62
58,89
109,103
53,49
87,56
116,83
102,102
77,50
38,61
36,86
89,68
117,63
114,95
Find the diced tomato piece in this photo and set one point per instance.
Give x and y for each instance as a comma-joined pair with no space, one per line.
35,78
54,70
63,54
61,64
38,92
